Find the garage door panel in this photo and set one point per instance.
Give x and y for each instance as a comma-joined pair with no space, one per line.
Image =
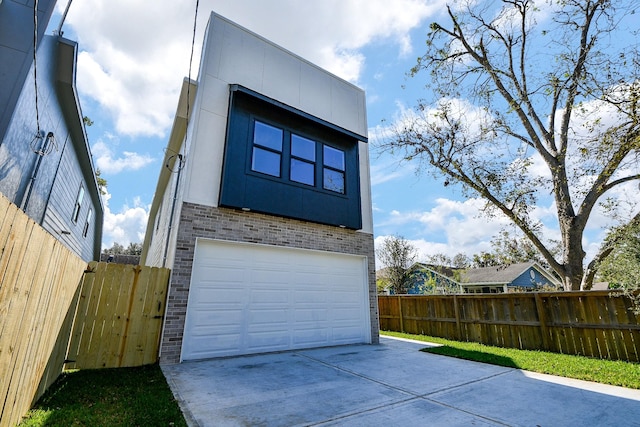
268,276
274,299
224,345
270,317
311,315
313,296
219,316
263,296
224,295
310,338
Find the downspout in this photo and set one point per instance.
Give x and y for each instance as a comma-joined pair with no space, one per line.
173,209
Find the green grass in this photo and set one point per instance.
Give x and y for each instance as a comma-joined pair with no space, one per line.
108,397
614,372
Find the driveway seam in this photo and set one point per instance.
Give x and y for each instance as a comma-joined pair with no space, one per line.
416,396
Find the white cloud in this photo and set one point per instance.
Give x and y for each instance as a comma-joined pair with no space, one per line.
449,227
134,54
126,226
106,162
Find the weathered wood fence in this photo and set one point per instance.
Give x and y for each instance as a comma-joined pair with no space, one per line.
115,312
594,323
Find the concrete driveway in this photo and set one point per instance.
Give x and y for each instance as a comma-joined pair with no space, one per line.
391,384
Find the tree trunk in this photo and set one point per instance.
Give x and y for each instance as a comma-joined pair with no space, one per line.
573,259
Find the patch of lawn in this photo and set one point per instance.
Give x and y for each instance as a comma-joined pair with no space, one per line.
613,372
108,397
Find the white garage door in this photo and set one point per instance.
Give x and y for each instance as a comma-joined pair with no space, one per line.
247,298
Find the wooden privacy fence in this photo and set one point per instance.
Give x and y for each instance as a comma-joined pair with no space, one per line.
594,323
115,312
39,280
119,316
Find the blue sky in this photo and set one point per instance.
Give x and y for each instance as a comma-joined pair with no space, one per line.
135,53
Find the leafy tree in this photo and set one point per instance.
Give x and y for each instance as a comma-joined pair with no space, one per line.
134,249
115,249
102,183
118,249
485,259
508,248
460,260
514,89
447,267
397,255
621,265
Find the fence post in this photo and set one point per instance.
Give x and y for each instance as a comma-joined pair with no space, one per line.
543,321
457,313
400,311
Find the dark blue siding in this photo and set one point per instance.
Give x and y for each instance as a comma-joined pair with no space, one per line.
244,188
16,50
49,196
526,281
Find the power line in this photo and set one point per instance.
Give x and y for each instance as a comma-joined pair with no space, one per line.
35,61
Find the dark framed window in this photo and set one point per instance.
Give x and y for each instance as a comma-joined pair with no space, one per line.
272,144
266,155
333,169
78,205
87,223
303,160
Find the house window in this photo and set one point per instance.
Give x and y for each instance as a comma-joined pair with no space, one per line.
303,158
87,222
267,149
333,171
78,205
271,144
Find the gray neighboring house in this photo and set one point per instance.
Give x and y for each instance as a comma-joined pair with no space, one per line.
47,172
263,207
494,279
505,278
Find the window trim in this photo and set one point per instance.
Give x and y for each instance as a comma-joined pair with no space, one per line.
85,229
78,205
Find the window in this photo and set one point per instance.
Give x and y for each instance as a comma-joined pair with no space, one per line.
271,144
303,157
333,171
78,205
267,149
86,223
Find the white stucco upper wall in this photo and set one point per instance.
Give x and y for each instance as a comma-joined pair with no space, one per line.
238,56
233,55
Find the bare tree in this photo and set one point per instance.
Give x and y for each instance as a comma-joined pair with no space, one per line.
514,89
397,255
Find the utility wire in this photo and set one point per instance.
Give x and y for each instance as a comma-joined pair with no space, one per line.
193,42
35,62
179,156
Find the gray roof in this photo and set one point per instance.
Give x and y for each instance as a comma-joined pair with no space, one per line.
501,274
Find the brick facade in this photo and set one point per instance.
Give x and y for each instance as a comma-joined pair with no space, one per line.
250,227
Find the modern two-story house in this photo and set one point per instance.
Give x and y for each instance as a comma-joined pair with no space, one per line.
45,162
263,206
